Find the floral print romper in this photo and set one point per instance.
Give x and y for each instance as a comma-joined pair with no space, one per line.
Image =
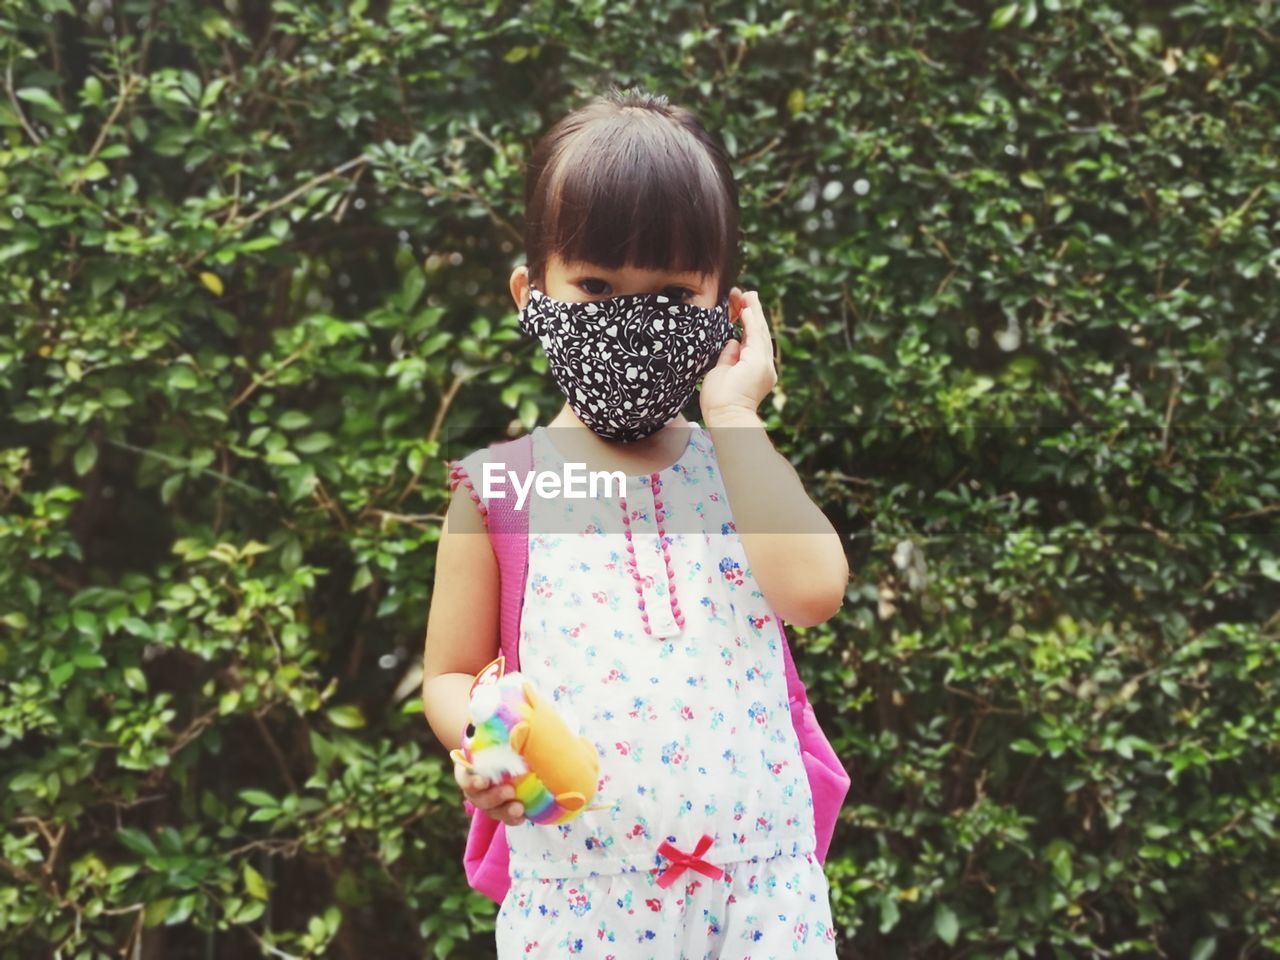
642,621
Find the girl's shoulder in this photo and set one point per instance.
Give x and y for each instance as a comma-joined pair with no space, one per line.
484,469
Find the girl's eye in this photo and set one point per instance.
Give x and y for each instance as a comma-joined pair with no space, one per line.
678,293
594,286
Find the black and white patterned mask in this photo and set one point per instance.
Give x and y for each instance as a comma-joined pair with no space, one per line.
627,365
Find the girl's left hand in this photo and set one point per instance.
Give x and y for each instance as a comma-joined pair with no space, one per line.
744,374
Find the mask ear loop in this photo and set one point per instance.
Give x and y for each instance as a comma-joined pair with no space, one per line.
531,316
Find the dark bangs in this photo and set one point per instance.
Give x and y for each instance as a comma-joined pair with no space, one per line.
630,180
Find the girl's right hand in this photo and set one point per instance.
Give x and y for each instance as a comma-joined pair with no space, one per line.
494,799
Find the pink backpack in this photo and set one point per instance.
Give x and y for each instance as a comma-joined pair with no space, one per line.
487,857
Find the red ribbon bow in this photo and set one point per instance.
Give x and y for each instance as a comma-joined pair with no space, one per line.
681,861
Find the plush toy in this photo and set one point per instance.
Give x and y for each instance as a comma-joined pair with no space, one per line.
517,737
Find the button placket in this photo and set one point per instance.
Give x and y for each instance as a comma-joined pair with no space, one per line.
660,517
649,562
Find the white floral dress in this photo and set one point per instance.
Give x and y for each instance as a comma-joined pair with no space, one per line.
642,620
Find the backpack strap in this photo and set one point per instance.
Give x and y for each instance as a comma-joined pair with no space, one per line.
796,692
509,534
487,857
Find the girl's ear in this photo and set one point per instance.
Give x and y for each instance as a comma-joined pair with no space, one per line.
520,286
737,300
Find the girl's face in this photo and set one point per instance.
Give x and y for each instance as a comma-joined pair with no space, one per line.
580,282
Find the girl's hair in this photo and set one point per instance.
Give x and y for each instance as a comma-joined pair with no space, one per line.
631,179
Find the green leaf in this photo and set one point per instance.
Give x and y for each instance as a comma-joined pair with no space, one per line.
313,443
137,841
92,92
332,919
41,98
182,377
1204,948
528,413
182,911
347,716
362,578
170,487
26,781
254,883
258,243
1002,16
317,929
302,481
415,281
16,249
1059,853
291,555
945,924
86,456
156,912
889,914
211,92
258,798
250,912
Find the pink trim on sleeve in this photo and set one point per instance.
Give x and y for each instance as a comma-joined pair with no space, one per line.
458,475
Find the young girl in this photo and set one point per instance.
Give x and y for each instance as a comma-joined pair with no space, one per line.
652,618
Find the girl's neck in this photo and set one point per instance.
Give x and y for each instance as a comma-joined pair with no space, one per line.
578,443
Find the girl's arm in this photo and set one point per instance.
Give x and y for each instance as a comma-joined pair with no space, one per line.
795,553
462,638
462,627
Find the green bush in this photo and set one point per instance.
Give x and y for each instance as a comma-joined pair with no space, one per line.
1021,264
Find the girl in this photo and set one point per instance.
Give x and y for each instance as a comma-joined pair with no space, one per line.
665,643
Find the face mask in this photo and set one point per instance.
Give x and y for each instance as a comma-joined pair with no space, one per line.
627,365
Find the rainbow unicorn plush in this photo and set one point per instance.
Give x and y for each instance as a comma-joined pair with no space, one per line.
515,736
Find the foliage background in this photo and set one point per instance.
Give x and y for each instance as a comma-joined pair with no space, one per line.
1021,263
